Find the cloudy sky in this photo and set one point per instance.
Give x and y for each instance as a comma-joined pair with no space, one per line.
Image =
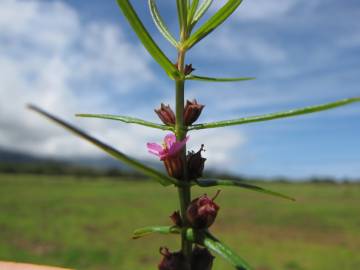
70,56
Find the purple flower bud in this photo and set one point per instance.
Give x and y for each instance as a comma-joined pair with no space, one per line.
192,112
202,211
201,259
166,114
171,261
188,69
195,163
176,219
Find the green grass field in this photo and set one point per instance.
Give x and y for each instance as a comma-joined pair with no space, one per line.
87,224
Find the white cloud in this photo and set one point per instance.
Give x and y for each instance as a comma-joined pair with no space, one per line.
50,57
221,146
232,47
264,9
260,9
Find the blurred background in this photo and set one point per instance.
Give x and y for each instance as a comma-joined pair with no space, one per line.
63,202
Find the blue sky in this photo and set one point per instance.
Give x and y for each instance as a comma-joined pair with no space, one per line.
74,56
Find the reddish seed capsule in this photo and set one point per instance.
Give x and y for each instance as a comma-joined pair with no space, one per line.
202,211
176,218
192,112
166,114
171,261
174,166
201,259
195,164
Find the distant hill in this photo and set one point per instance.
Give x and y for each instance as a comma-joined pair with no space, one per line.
21,162
19,157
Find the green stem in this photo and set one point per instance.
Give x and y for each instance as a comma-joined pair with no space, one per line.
180,131
184,190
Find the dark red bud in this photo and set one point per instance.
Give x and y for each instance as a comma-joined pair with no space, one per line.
188,69
174,166
201,259
192,112
166,114
171,261
202,212
176,218
195,163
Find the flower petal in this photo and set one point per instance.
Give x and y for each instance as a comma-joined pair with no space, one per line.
169,140
177,146
155,148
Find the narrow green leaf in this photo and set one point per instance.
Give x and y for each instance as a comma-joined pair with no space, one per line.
155,229
160,177
182,13
224,251
236,183
159,22
192,10
211,79
205,5
147,40
127,119
272,116
217,19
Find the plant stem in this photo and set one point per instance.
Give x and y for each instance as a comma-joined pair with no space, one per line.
184,190
180,131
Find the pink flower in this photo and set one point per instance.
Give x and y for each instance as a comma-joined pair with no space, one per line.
169,148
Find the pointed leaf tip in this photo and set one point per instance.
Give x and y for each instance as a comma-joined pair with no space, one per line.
142,232
277,115
240,184
160,177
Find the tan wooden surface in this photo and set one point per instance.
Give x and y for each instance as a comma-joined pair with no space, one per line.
24,266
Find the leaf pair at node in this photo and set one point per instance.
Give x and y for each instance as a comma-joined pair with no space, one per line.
233,122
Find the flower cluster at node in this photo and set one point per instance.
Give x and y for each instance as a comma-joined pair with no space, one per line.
202,212
192,111
171,261
170,154
201,259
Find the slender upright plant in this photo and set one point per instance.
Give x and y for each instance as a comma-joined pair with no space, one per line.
184,170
